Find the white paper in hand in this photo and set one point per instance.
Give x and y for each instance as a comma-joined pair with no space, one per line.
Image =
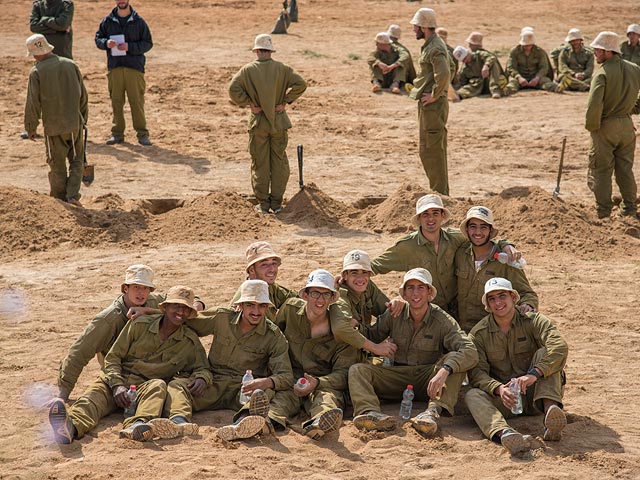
114,50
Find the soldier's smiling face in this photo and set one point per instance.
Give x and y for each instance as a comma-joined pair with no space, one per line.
356,280
479,232
431,220
176,313
417,294
252,312
502,304
265,270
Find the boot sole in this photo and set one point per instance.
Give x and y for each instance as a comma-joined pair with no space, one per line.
259,404
428,428
369,422
60,423
139,433
164,428
514,442
187,429
247,427
554,421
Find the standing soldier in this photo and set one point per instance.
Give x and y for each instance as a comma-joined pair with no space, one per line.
267,86
386,64
126,38
394,34
612,99
630,49
528,65
430,91
56,93
575,64
52,18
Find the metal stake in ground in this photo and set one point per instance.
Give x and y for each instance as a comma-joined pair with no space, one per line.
556,191
87,170
300,181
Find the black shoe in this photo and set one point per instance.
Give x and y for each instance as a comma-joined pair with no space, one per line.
115,139
24,136
63,429
145,141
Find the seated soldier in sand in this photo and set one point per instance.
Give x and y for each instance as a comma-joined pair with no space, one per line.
395,32
242,340
138,297
149,352
527,348
433,355
481,74
528,65
575,64
387,65
317,357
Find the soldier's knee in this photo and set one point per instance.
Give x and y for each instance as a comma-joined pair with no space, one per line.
157,384
473,395
357,370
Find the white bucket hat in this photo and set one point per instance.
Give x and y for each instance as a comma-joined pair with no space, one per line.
181,295
475,38
37,45
395,31
258,251
479,213
425,17
357,260
263,42
497,283
460,53
254,291
574,34
633,28
426,202
383,38
320,278
527,38
422,275
526,30
138,275
607,41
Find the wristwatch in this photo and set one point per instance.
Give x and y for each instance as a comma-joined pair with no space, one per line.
448,369
534,371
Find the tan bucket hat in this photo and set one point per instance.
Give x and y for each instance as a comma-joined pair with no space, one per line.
254,291
607,41
394,31
357,260
443,33
479,213
181,295
633,28
263,42
527,38
383,38
475,38
260,251
460,53
138,275
422,275
426,202
37,45
497,283
425,17
574,34
320,278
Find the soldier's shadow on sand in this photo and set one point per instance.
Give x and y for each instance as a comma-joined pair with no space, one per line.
130,153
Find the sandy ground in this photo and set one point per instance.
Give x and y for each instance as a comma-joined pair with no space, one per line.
180,206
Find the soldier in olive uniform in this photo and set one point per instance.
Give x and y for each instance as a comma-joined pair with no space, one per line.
481,74
56,93
630,49
430,92
394,34
477,263
52,18
528,65
537,367
242,340
612,99
317,358
474,41
443,33
386,65
149,352
575,64
433,354
267,86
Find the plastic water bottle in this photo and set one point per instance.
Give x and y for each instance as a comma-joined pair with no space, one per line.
301,383
388,361
504,258
247,378
407,403
514,387
130,411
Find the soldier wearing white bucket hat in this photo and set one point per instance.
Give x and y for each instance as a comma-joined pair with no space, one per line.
481,74
612,101
267,86
528,65
630,48
538,368
386,65
431,86
575,63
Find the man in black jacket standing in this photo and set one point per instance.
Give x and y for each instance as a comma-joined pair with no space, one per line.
126,38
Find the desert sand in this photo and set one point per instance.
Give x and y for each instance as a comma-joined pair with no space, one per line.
182,207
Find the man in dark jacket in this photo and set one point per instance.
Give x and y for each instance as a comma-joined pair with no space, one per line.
52,18
126,38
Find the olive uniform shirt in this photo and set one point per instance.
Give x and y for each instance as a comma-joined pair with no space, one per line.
371,303
324,357
630,53
395,55
437,335
52,18
503,357
473,69
435,71
277,294
139,355
570,62
536,64
263,350
471,282
97,338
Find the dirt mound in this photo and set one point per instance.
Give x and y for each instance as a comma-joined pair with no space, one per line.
314,208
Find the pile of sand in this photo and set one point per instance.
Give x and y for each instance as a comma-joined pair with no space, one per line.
314,208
